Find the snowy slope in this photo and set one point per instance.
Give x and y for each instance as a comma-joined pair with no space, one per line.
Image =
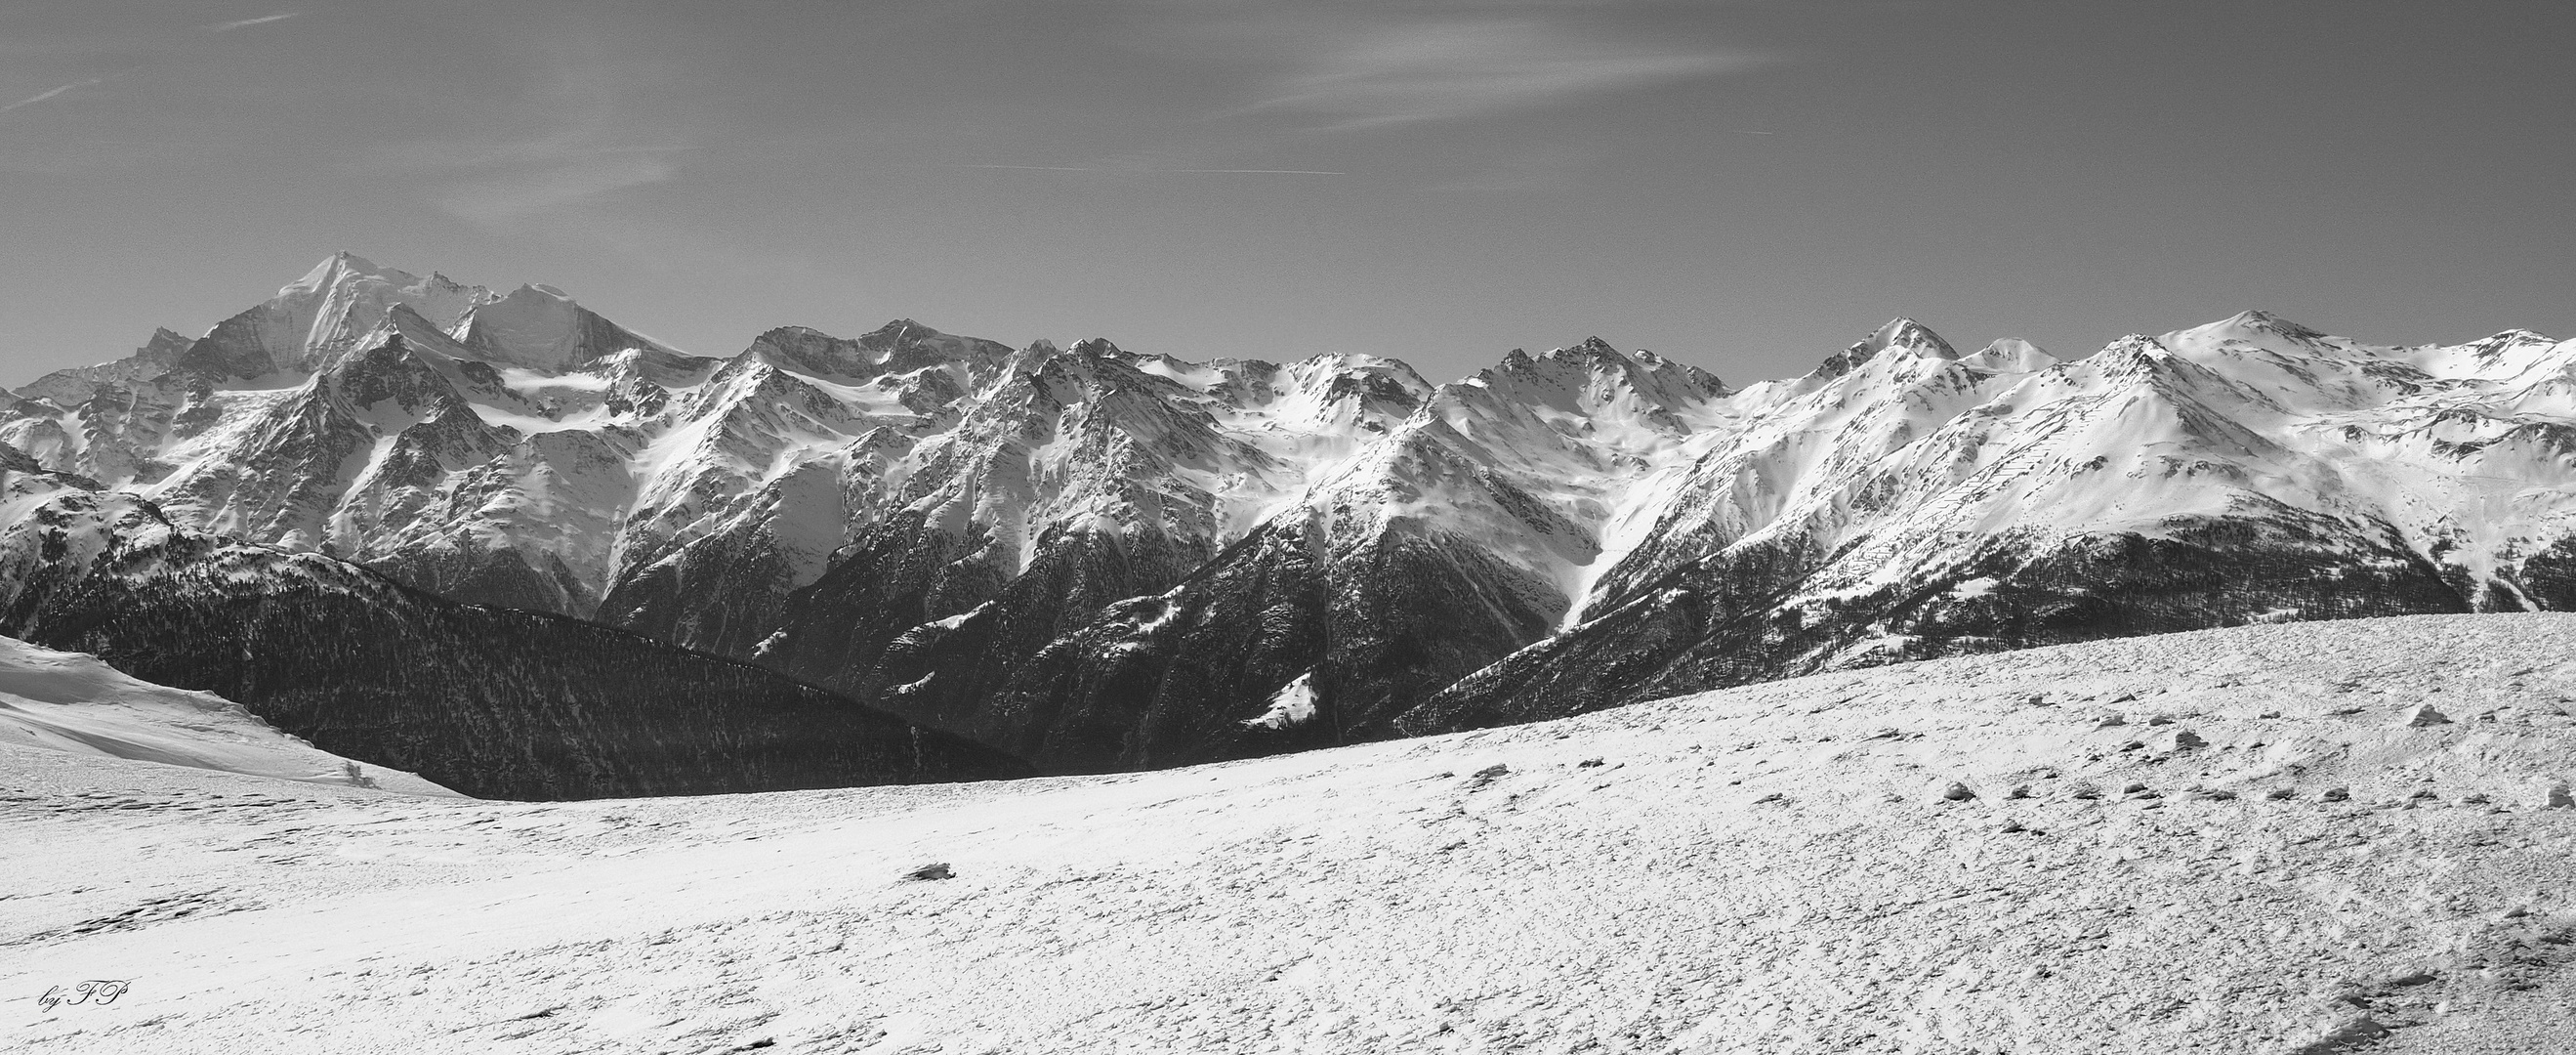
2247,840
70,702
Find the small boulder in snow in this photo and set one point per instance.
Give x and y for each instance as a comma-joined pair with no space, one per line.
2350,1033
933,870
1957,792
2424,715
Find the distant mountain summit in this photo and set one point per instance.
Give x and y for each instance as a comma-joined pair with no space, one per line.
1098,559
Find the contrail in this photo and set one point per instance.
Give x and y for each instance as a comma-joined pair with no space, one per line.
49,93
228,27
1238,172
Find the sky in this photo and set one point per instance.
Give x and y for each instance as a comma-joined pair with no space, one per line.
1744,185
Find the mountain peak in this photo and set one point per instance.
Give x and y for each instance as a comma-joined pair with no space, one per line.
2010,354
1902,332
1596,366
896,334
534,292
337,265
1899,333
399,315
2516,335
2257,320
165,346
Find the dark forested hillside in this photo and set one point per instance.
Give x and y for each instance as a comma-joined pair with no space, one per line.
492,702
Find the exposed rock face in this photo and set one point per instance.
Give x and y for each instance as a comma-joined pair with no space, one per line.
1106,560
489,701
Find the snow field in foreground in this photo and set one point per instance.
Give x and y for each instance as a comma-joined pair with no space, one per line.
2246,840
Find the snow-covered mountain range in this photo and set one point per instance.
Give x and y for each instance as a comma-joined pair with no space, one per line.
1096,559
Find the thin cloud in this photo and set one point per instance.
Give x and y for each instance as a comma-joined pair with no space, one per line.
1356,65
224,27
499,203
580,137
1470,67
50,93
1201,172
227,27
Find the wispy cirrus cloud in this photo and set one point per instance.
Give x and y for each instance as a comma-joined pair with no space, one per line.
50,93
1471,66
545,181
1292,83
1368,65
227,27
1139,171
581,135
92,82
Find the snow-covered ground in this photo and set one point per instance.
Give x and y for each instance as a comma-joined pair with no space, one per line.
2272,849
